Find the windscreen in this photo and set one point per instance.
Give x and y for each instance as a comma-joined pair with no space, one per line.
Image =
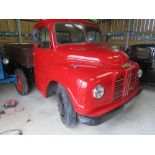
93,35
69,33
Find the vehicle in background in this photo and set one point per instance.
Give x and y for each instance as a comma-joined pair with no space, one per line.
4,77
144,55
68,58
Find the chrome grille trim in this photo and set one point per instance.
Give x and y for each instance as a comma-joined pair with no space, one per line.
123,84
118,89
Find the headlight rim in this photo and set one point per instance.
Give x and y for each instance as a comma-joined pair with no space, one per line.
95,89
139,73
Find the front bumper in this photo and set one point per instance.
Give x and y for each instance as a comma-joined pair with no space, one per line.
105,117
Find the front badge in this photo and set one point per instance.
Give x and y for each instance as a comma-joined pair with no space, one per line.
126,65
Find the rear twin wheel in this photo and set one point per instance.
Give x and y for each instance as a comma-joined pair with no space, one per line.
22,83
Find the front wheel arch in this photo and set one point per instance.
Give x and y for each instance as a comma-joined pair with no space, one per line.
52,88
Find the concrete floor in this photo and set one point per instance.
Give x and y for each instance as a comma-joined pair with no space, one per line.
38,115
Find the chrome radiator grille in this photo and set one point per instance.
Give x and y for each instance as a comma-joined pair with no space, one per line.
124,84
118,90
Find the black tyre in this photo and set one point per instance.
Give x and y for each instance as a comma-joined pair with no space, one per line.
22,83
66,110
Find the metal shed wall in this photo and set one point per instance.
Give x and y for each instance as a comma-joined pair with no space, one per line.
9,30
141,31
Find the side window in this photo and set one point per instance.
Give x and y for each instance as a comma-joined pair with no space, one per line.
44,37
41,37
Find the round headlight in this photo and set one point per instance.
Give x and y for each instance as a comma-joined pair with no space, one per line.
140,72
98,92
5,61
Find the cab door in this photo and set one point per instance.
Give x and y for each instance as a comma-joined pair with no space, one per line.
43,53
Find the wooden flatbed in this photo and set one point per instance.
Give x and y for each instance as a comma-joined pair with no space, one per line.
21,53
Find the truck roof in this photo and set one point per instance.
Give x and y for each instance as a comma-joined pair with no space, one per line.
53,21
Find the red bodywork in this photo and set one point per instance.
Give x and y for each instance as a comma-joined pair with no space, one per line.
81,67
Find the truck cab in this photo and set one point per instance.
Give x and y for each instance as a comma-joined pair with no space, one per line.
90,79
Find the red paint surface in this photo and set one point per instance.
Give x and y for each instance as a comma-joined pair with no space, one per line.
80,68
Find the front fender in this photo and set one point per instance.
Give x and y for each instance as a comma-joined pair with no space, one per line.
89,83
79,83
68,77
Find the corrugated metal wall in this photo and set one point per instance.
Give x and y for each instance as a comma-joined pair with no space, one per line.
8,30
142,31
7,26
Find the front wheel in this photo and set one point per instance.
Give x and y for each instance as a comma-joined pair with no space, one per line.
22,83
66,110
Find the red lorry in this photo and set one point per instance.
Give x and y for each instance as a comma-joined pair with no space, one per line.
68,58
